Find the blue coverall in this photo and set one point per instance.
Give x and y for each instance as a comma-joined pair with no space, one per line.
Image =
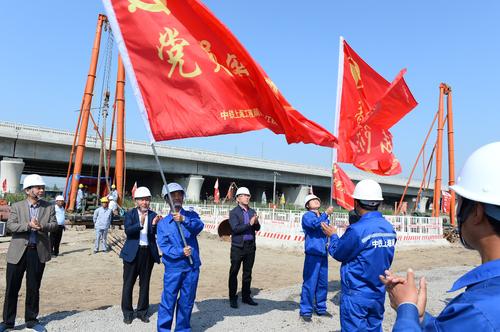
476,309
315,273
365,250
179,275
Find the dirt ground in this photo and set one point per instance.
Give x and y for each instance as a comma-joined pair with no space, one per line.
79,280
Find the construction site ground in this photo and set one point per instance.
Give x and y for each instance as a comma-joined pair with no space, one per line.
78,280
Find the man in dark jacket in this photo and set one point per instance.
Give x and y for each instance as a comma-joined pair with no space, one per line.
244,223
139,254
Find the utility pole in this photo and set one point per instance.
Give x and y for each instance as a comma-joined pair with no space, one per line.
274,187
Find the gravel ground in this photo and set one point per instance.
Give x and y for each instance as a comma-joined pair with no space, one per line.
277,310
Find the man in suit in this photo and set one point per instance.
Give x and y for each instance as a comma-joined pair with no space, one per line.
30,221
244,223
139,254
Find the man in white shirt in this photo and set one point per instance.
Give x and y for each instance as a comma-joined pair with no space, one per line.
139,254
113,206
55,237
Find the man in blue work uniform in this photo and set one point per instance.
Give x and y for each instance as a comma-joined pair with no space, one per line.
478,215
366,250
244,223
139,254
315,273
180,275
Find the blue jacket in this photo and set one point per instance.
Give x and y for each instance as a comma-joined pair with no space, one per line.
133,229
170,241
366,250
476,309
238,226
315,240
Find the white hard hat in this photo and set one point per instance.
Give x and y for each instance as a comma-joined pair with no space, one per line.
172,186
368,190
242,191
479,179
60,198
33,180
111,198
142,192
310,198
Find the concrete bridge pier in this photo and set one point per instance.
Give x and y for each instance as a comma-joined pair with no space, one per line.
10,171
295,194
192,185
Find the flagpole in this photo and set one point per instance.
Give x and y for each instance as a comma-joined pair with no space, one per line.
340,75
170,201
140,102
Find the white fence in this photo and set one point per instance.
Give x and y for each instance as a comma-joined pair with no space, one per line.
282,228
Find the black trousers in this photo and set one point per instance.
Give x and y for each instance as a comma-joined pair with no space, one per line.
245,255
14,279
140,267
55,240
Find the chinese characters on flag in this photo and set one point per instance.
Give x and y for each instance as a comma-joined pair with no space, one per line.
343,188
369,107
192,77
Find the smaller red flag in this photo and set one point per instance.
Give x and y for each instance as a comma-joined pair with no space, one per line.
343,188
445,204
216,192
134,188
230,192
4,185
368,107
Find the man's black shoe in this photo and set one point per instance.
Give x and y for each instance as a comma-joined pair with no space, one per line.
233,303
249,301
127,321
4,327
144,319
306,319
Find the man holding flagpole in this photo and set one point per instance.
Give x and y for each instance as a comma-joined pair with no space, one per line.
182,262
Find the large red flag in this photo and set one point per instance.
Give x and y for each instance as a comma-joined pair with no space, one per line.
192,77
368,106
343,188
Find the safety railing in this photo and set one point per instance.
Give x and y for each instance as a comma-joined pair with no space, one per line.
285,225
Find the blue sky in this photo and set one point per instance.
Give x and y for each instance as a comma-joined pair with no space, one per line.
46,49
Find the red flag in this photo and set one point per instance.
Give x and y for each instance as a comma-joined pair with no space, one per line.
368,107
446,202
343,188
192,77
230,192
4,185
216,192
134,188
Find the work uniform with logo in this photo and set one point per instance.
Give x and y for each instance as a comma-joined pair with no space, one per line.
180,279
365,250
315,273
